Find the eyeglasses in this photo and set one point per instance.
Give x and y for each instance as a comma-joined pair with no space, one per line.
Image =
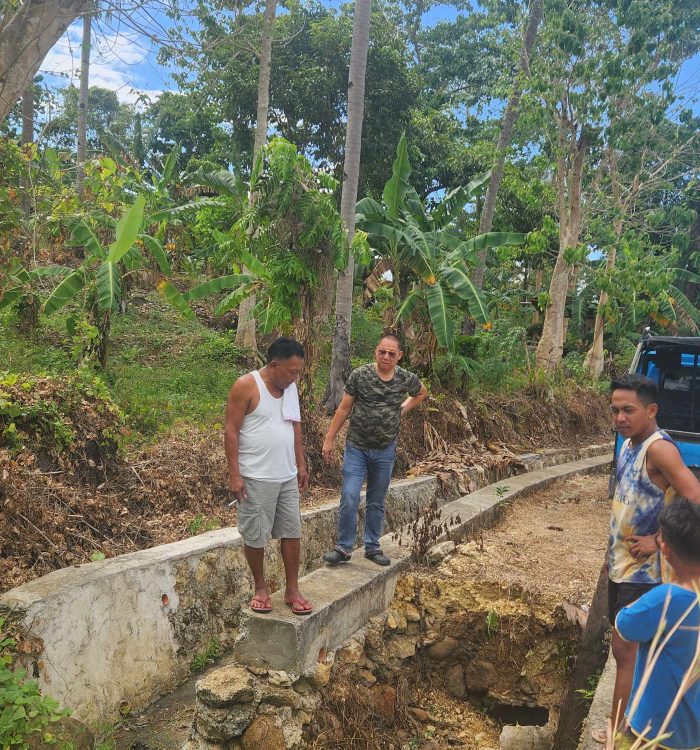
387,353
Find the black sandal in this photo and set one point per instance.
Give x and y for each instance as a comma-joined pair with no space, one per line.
336,556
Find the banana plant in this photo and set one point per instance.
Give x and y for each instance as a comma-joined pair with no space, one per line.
425,252
96,285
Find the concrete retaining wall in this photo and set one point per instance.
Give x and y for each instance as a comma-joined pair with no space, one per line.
124,631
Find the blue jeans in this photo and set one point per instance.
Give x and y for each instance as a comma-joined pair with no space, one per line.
376,465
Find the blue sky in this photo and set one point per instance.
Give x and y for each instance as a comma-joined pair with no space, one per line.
125,61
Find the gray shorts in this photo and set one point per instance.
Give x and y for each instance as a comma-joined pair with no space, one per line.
270,510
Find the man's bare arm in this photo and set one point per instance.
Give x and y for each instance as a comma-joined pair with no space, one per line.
412,401
341,414
302,473
665,458
236,408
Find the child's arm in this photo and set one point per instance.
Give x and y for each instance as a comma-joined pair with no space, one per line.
640,620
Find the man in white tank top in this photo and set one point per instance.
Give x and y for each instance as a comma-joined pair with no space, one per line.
267,469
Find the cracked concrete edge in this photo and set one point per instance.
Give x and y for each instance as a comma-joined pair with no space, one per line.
345,596
599,711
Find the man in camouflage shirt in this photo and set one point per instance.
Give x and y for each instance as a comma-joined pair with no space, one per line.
376,395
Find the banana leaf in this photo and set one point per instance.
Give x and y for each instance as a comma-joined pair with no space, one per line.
155,248
173,297
465,289
407,307
81,235
234,299
65,291
443,325
217,285
396,188
127,230
108,283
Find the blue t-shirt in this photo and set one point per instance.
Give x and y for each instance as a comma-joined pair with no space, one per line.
639,622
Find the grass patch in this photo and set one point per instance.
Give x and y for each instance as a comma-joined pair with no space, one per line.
161,368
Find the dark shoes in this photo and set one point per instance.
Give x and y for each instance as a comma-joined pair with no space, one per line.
336,556
377,556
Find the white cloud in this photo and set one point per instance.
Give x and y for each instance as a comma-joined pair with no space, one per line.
118,62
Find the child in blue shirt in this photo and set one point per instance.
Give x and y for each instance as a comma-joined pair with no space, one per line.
677,668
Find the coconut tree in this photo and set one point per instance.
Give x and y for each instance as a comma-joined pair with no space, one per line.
340,362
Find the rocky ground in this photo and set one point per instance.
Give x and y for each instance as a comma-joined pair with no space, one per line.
484,637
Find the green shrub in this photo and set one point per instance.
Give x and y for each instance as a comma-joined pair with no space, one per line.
24,712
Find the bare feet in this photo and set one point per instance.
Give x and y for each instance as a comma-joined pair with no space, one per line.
261,602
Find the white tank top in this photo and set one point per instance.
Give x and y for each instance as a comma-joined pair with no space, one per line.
266,441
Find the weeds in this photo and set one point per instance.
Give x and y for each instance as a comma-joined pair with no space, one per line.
424,529
206,657
200,524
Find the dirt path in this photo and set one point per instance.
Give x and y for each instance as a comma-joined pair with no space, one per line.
510,604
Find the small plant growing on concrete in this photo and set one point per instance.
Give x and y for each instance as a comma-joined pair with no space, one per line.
491,624
501,489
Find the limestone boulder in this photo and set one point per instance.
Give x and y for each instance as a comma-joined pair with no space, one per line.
383,698
454,681
532,738
264,734
226,686
225,723
440,552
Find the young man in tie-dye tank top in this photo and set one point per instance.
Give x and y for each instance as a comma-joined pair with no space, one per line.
649,471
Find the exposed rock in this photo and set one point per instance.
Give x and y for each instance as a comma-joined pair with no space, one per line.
321,675
226,685
532,738
225,723
401,648
352,652
280,678
384,702
419,713
454,681
367,677
442,649
279,696
440,551
264,734
479,675
411,612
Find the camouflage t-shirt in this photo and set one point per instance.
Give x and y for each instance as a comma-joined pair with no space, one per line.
376,412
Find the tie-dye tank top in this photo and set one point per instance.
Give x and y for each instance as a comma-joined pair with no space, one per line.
635,512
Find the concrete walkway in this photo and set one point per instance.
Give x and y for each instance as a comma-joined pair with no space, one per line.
346,597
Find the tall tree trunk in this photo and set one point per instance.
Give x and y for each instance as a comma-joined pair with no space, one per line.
595,356
245,332
27,138
28,308
509,117
25,40
569,179
83,103
340,363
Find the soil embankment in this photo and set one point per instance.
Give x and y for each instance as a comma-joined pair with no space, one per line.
70,494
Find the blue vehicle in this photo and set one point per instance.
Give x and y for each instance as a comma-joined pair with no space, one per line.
674,363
